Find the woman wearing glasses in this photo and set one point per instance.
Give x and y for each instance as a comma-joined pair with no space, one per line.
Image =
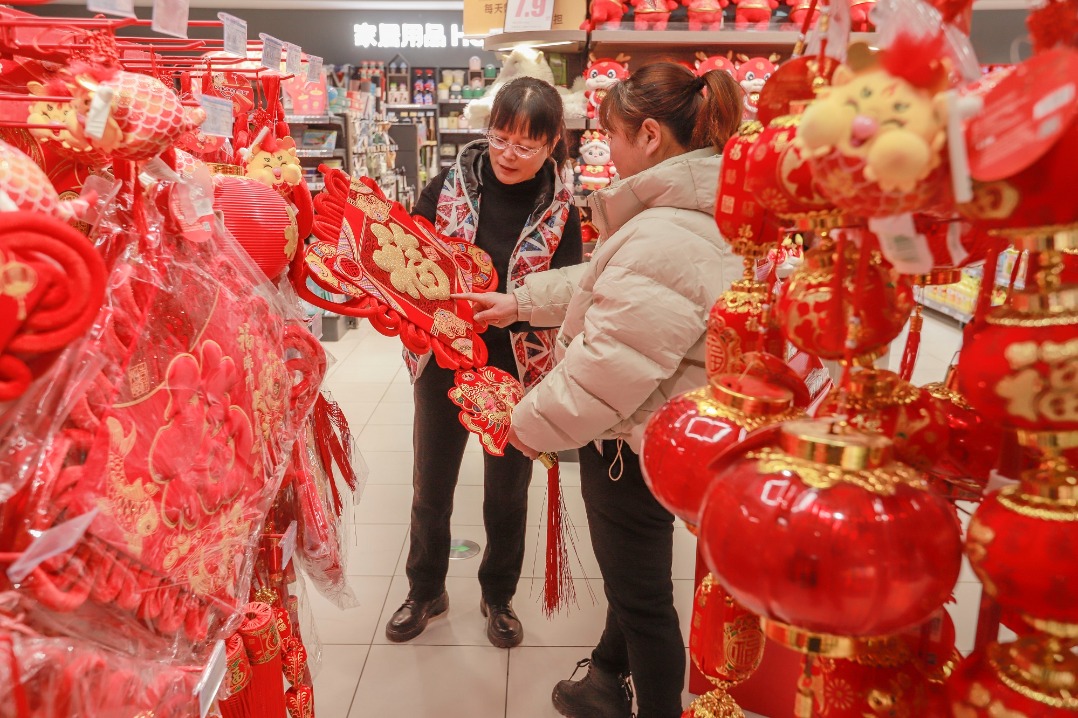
510,194
633,322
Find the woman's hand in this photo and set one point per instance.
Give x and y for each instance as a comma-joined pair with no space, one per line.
492,307
521,446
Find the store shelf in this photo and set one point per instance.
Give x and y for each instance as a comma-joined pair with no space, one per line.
316,185
319,153
465,131
555,40
945,310
410,107
682,39
314,119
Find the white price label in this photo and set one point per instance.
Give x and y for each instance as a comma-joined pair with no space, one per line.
235,34
271,52
123,8
212,677
47,544
170,17
293,60
100,111
527,15
314,68
219,118
288,544
901,244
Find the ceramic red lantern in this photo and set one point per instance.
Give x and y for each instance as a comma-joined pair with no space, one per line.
690,430
726,642
260,219
1016,369
872,315
1033,677
1023,547
744,223
828,534
878,401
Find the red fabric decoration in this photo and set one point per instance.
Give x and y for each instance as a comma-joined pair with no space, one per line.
917,60
237,704
300,701
294,656
487,396
263,644
395,270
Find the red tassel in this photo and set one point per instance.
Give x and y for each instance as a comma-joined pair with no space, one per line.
263,644
238,702
913,344
333,439
558,587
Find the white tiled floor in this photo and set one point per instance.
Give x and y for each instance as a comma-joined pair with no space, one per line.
451,671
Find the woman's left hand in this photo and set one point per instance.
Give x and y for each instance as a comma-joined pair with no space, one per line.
521,446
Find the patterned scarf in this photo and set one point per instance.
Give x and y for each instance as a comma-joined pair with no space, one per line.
458,216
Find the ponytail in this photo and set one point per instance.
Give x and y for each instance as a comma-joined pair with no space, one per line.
700,111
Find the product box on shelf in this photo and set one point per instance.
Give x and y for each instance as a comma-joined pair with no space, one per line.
483,17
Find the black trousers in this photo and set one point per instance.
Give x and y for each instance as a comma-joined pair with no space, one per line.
439,439
633,538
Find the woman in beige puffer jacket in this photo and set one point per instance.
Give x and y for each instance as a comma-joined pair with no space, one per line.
633,323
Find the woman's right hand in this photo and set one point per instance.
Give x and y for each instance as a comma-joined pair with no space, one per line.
492,307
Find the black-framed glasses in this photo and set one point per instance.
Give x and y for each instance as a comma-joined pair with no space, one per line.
524,153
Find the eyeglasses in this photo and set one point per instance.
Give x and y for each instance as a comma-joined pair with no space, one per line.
524,153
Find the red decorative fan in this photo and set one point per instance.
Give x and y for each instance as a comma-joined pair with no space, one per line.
395,270
486,397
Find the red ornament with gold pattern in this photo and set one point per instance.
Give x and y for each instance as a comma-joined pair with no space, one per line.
877,401
744,223
874,313
738,324
690,430
826,536
869,686
964,464
1032,677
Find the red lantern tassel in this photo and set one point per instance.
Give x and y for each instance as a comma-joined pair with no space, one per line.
333,439
238,703
558,584
263,644
913,344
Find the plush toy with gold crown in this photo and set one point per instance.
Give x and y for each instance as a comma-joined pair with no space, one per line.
876,137
595,167
272,162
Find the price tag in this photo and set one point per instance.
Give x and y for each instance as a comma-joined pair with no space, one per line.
212,677
271,52
170,17
218,122
50,543
293,60
314,68
235,34
288,544
901,244
123,8
526,15
100,111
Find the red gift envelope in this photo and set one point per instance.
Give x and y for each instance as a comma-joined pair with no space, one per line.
395,270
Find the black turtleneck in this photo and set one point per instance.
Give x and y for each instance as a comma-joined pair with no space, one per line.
504,210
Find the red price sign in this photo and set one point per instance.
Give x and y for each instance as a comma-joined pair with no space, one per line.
527,15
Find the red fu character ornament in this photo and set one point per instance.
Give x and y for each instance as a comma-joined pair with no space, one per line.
396,271
486,397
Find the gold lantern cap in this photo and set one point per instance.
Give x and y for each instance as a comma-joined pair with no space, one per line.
835,444
871,388
869,649
1041,668
1056,238
750,395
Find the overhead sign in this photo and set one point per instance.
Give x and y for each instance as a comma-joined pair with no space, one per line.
405,35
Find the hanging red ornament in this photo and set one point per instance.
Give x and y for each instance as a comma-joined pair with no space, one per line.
1033,677
726,642
874,685
736,325
829,513
877,401
690,430
745,224
874,313
260,219
1022,543
300,702
972,450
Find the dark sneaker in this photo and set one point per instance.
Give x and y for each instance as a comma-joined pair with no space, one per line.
597,695
412,617
503,626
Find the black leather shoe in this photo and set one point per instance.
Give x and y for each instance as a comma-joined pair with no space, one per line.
597,695
503,626
412,617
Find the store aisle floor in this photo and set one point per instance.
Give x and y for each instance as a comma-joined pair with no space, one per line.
451,671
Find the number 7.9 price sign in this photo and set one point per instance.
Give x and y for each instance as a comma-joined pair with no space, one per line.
525,15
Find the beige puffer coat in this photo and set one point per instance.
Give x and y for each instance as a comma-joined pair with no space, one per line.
633,319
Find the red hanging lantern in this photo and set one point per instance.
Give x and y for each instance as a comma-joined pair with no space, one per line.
1033,677
1022,543
1018,368
260,219
972,449
726,642
877,401
874,685
736,325
745,224
875,312
690,430
830,535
